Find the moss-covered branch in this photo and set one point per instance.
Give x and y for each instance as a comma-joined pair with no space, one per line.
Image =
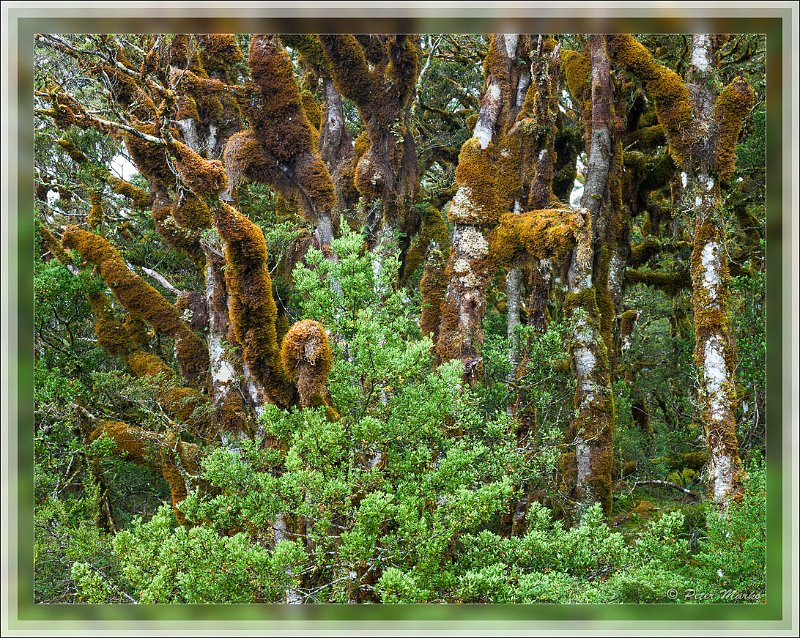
140,298
252,305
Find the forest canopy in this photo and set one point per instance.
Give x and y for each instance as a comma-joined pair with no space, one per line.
407,318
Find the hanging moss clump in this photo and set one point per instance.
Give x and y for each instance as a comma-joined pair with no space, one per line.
307,359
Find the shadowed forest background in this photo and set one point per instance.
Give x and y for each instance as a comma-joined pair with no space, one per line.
399,318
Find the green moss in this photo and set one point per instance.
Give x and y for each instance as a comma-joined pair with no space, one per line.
434,229
641,253
627,321
73,151
732,106
577,73
432,287
666,89
669,282
544,234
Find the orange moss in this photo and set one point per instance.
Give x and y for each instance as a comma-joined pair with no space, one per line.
130,289
161,452
307,358
544,234
136,330
252,306
140,446
732,106
128,92
311,109
361,145
183,239
52,244
350,70
111,334
191,212
140,298
144,364
150,159
186,108
280,120
205,178
315,185
185,405
139,197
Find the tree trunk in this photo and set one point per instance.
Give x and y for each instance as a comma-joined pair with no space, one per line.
589,475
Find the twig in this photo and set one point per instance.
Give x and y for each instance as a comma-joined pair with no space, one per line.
674,486
160,279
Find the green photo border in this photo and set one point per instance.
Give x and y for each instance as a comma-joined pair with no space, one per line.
22,23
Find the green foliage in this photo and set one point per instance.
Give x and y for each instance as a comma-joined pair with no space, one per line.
732,557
